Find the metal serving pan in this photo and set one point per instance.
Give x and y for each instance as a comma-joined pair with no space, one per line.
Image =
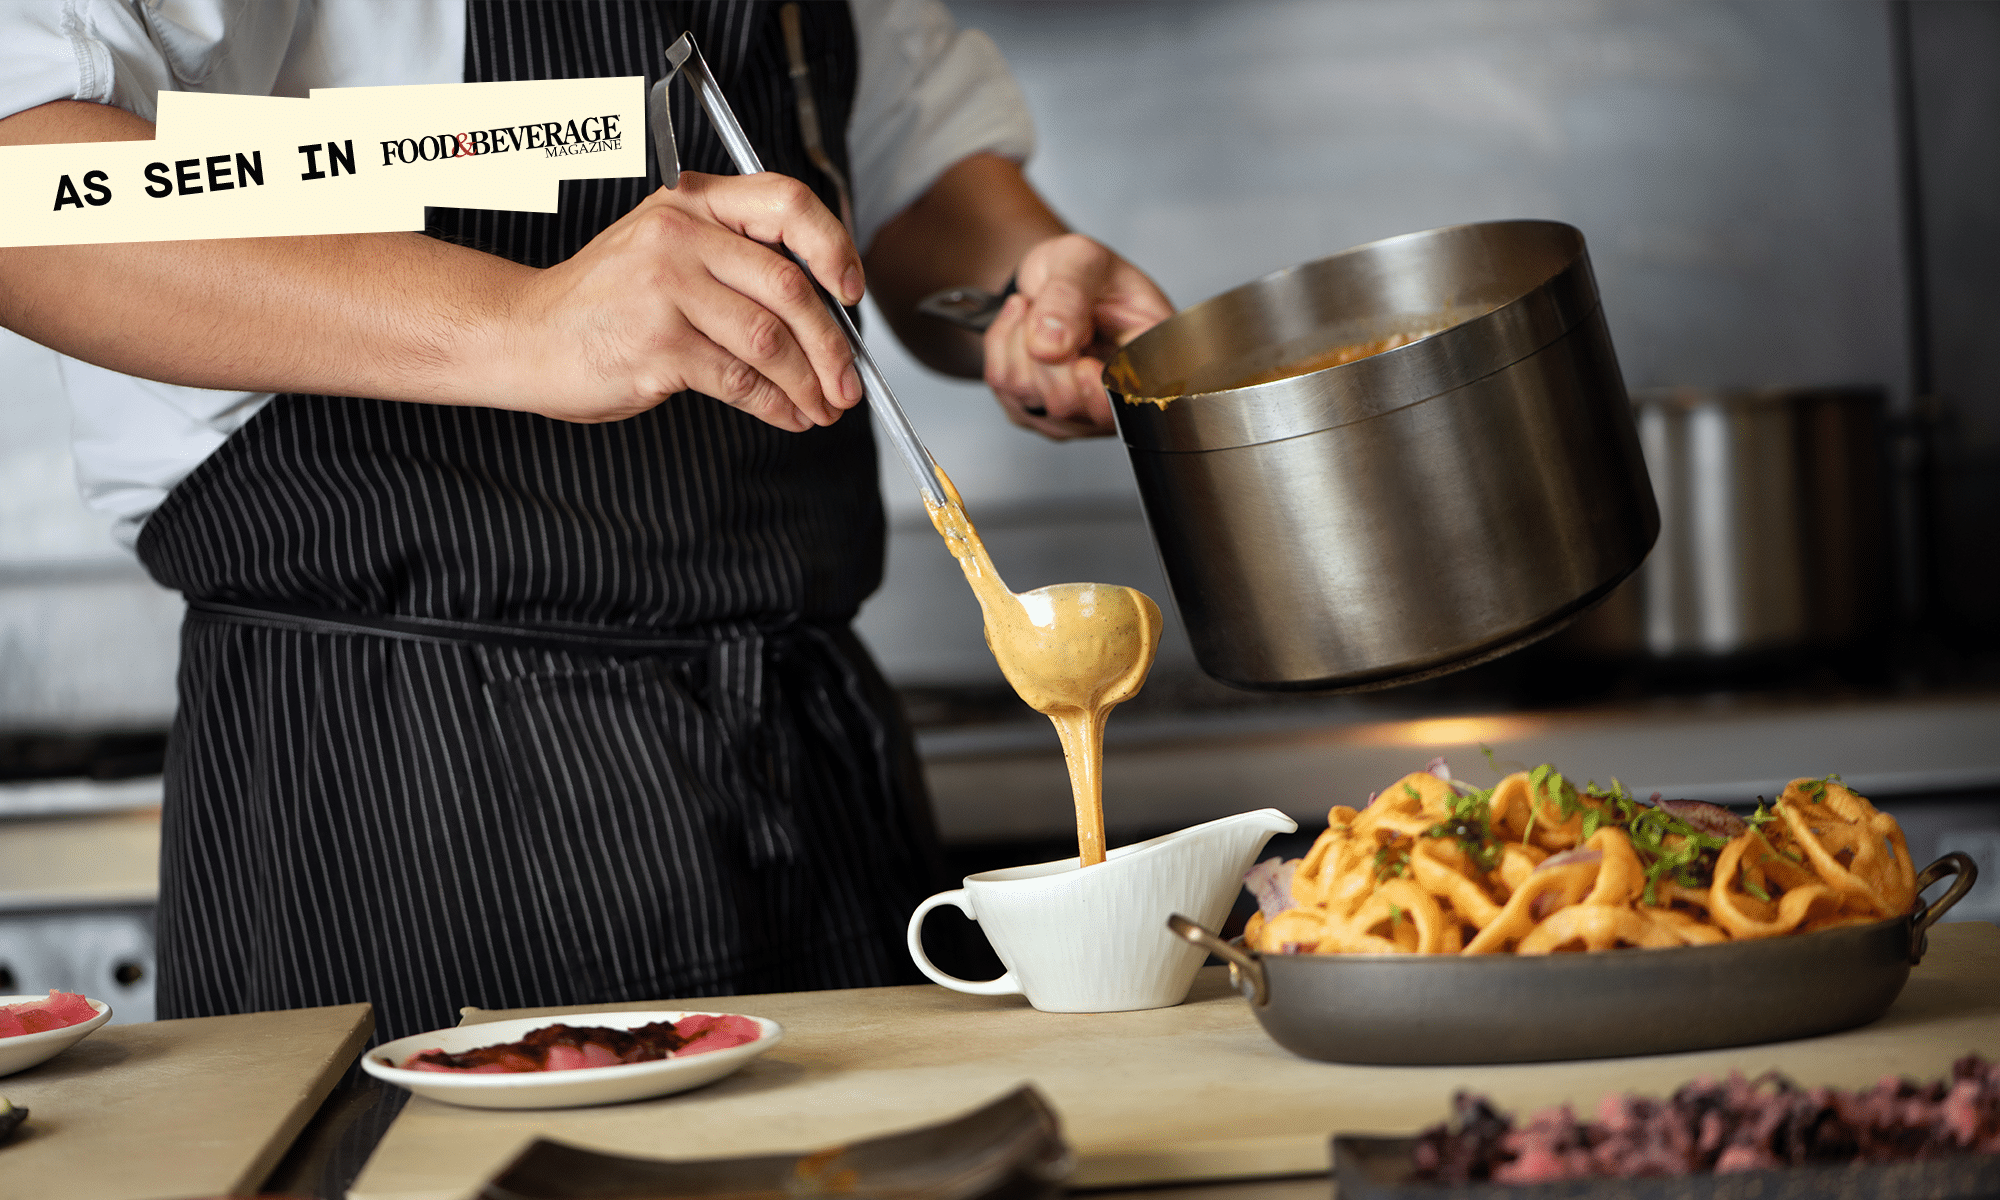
1431,1009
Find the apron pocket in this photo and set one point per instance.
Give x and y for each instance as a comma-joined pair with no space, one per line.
634,849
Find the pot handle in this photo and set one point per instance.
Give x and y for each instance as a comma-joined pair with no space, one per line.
1954,863
1244,969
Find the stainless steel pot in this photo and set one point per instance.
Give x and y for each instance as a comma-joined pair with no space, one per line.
1407,514
1773,526
1492,1008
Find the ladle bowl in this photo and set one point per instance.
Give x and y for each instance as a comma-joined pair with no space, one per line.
1083,646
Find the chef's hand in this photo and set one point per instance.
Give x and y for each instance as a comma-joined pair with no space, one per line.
1075,303
685,292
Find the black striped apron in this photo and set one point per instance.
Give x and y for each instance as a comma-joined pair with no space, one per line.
478,707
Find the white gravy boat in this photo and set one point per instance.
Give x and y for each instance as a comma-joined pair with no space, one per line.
1096,939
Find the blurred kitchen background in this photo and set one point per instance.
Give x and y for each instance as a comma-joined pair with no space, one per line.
1790,195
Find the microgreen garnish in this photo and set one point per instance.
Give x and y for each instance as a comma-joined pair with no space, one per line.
1471,822
1392,860
1668,847
1545,780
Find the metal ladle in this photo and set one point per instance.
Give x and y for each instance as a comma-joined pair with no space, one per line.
683,56
1072,650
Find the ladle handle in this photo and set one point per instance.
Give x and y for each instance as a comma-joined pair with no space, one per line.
1244,969
684,56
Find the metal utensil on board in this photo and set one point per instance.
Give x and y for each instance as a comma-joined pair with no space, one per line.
1409,1009
1405,514
683,57
1011,1149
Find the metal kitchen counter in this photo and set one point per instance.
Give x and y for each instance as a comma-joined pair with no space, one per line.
1005,783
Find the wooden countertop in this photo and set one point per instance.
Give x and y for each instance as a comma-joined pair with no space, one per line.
202,1107
1192,1092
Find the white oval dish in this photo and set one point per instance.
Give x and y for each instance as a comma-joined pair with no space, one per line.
559,1089
25,1050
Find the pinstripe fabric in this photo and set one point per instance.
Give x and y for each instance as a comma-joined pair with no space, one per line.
427,824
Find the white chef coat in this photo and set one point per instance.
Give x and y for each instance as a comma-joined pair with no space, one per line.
929,95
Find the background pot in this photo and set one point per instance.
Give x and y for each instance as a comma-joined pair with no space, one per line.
1407,514
1774,528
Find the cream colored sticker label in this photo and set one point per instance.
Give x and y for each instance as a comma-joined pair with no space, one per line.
346,160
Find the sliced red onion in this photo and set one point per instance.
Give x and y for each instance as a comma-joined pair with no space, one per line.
1578,855
1705,818
1270,882
1440,768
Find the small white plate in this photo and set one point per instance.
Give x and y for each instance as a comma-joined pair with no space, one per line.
559,1089
25,1050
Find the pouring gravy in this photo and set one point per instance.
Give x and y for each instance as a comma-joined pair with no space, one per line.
1073,651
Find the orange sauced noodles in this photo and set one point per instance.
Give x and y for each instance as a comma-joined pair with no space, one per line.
1534,865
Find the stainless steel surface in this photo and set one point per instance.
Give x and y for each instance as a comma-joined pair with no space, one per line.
74,797
1438,1009
1407,514
659,114
1004,783
685,57
1774,515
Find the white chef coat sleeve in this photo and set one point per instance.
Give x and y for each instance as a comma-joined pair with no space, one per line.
135,440
930,94
95,50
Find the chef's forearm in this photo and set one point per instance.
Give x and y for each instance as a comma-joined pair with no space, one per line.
970,229
397,316
682,293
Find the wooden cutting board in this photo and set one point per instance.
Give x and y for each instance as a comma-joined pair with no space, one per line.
1192,1092
202,1107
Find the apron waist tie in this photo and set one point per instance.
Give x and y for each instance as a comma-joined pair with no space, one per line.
443,631
737,660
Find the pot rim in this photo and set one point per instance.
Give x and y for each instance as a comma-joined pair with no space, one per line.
1491,338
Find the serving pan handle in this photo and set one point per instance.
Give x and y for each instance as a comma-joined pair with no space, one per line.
1920,923
1244,968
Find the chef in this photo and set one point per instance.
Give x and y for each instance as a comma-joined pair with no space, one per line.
520,557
